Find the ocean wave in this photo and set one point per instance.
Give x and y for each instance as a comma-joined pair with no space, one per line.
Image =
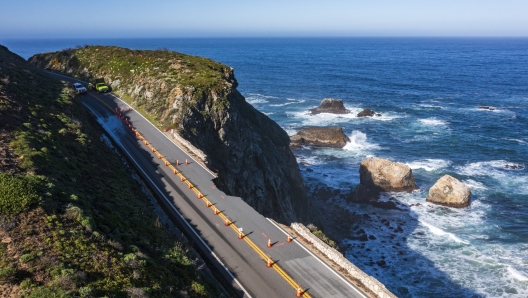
439,232
433,121
430,106
287,103
473,185
429,164
358,142
256,98
516,274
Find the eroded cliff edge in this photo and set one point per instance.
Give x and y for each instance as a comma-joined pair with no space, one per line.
198,98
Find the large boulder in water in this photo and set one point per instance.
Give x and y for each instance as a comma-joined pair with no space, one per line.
366,113
449,191
380,175
320,136
330,105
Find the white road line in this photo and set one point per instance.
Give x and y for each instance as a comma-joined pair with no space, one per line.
316,257
170,204
126,103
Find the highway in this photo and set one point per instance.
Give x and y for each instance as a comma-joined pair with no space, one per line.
243,262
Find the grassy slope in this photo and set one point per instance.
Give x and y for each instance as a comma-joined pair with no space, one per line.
83,227
164,74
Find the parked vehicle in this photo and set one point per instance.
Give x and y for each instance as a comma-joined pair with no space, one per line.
79,88
100,86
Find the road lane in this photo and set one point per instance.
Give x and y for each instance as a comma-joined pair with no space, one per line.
243,262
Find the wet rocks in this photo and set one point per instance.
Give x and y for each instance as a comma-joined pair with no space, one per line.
449,191
330,105
367,113
381,175
486,108
320,136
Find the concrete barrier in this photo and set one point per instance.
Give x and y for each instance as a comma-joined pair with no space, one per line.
189,146
368,281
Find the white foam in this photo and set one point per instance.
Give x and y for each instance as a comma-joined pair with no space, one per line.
516,274
287,103
432,121
429,164
440,232
430,106
474,184
255,98
358,142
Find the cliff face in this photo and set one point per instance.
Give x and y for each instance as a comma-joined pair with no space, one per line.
198,98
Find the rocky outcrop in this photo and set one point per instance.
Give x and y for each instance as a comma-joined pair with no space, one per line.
197,97
367,113
330,105
449,191
378,175
320,136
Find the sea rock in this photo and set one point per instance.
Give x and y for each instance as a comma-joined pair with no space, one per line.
486,108
320,136
330,105
378,175
449,191
366,113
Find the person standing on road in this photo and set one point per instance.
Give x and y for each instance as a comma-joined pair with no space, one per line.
90,86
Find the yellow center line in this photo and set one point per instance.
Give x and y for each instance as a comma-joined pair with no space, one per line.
263,255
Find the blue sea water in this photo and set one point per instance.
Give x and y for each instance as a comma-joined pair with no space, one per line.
428,91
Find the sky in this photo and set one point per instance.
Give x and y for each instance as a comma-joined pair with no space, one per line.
270,18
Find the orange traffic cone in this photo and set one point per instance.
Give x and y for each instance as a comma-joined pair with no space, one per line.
177,162
189,186
269,263
216,211
146,143
289,239
159,156
208,204
166,163
240,236
186,162
182,179
174,171
227,222
269,242
299,292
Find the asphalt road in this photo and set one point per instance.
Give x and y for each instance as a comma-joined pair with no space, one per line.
236,259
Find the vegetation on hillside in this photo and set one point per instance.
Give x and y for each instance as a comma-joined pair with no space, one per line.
151,80
73,221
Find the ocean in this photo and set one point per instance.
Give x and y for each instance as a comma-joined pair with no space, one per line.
428,92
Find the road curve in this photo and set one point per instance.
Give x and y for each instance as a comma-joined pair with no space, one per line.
239,260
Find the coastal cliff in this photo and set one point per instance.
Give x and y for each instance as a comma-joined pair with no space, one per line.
197,97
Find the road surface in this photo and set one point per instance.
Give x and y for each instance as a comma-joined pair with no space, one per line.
241,261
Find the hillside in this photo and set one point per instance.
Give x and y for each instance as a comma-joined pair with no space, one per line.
197,97
73,221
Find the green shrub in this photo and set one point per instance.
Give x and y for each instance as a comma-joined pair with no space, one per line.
7,274
27,258
18,193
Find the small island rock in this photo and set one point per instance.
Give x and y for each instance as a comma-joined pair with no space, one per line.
366,113
449,191
330,105
320,136
380,175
